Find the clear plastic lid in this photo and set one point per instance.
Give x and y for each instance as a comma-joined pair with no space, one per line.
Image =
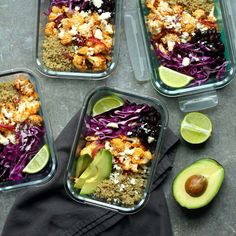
49,170
79,143
190,98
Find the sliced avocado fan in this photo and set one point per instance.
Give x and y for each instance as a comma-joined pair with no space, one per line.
98,170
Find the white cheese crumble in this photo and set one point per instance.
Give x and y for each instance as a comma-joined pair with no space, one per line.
113,125
90,52
105,16
11,137
73,30
3,140
122,187
107,145
114,177
77,8
97,3
132,181
150,139
98,34
61,33
186,61
129,151
84,14
6,113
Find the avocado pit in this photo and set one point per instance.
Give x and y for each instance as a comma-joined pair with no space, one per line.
196,185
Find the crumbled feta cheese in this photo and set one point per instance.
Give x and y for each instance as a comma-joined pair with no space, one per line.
132,181
113,125
61,33
107,145
150,139
73,30
3,140
98,34
114,177
122,187
117,167
11,137
129,151
105,16
77,8
170,45
90,52
97,3
84,14
6,113
186,61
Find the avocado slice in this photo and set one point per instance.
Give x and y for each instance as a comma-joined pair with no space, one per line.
197,184
103,163
91,171
82,164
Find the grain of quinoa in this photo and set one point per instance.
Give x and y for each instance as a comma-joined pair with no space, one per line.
54,55
193,5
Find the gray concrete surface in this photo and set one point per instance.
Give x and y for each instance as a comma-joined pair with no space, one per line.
64,97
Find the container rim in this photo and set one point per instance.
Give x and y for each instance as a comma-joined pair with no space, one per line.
198,89
49,135
156,159
81,75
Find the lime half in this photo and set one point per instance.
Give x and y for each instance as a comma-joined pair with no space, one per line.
173,78
38,162
196,128
106,104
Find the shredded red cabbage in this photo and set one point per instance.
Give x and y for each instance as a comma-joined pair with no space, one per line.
202,64
14,157
125,118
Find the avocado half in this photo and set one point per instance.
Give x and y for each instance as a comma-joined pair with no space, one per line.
197,184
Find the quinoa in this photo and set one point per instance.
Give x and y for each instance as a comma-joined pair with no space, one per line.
124,189
7,92
54,55
193,5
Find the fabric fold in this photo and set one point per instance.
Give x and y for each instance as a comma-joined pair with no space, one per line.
48,210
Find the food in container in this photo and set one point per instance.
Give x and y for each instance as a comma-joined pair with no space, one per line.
80,38
113,162
23,131
178,37
186,38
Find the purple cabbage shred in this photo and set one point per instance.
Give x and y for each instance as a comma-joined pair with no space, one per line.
202,66
14,157
125,117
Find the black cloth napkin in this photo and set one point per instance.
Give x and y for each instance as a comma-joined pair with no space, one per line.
48,210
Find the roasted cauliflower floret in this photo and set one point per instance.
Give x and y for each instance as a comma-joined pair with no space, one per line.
24,85
50,29
98,62
35,119
199,13
80,62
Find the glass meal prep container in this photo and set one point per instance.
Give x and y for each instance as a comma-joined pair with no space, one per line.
97,55
192,97
116,179
23,133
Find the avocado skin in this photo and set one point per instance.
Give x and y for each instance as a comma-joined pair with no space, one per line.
88,181
82,164
211,169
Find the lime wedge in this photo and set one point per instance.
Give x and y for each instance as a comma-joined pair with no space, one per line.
38,162
196,128
106,104
173,78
